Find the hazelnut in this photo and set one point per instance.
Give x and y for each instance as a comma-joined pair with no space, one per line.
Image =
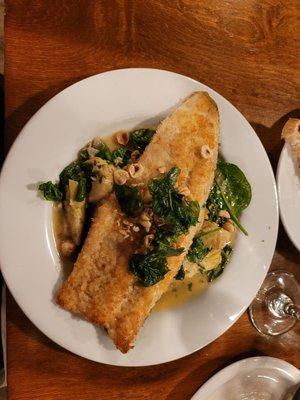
135,155
229,226
122,137
206,152
224,214
148,240
120,176
67,248
185,191
135,170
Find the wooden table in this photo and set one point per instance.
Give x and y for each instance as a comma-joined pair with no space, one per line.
246,50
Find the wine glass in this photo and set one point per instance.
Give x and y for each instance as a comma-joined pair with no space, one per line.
275,308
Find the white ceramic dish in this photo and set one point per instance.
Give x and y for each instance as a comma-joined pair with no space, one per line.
255,378
100,105
288,184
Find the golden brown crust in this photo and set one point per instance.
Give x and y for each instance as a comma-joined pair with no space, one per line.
291,134
100,287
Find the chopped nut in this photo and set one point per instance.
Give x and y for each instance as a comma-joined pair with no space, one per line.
146,195
120,176
148,240
67,248
224,214
136,228
135,155
206,151
122,137
229,226
162,170
185,191
145,221
135,170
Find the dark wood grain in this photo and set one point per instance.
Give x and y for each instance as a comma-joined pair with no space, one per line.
246,50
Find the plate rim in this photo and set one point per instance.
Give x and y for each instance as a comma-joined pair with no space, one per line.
211,384
283,152
10,155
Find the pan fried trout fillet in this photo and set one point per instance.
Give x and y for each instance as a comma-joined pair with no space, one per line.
101,288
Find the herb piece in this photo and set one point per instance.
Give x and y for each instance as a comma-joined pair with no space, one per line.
121,156
190,286
180,274
104,152
170,205
140,138
129,199
79,172
82,189
152,267
197,251
214,273
51,191
83,155
71,171
231,191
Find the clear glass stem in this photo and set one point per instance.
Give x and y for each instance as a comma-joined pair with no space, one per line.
293,310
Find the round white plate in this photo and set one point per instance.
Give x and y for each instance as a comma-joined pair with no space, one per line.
100,105
255,378
288,185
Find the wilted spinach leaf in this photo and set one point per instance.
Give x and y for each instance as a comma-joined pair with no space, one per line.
71,171
121,156
129,199
152,267
83,155
197,251
140,138
170,205
104,152
79,172
231,191
214,273
82,189
180,274
51,191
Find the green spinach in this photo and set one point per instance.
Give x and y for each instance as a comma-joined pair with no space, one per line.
79,172
51,191
180,274
152,267
129,199
119,157
231,191
140,138
170,205
214,273
197,251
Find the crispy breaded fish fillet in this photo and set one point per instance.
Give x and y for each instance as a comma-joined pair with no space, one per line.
101,288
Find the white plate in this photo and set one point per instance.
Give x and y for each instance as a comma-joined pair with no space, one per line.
288,184
102,104
255,378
